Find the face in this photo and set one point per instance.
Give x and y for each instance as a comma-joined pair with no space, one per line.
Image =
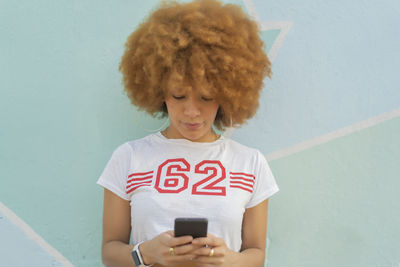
191,116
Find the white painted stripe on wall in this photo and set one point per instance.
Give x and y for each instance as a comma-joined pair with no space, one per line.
333,135
251,9
284,27
13,218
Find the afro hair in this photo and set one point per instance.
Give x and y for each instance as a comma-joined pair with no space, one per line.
205,44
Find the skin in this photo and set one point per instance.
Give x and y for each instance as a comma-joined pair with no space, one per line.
191,117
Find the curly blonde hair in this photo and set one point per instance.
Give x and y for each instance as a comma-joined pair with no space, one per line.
203,44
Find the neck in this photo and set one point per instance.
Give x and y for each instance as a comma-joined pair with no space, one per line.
213,135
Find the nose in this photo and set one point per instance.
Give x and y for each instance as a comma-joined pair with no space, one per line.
191,108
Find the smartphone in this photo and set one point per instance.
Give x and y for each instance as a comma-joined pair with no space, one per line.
196,227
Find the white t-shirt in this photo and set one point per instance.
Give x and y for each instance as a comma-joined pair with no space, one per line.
168,178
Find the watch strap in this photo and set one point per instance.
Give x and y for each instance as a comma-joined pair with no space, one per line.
137,256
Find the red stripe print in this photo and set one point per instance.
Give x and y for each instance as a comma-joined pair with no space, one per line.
242,173
138,180
237,183
136,187
246,189
140,174
241,180
133,184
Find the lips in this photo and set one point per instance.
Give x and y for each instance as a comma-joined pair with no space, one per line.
192,126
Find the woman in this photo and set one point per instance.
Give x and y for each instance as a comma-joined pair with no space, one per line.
202,64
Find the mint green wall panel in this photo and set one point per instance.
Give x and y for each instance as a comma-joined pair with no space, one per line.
339,203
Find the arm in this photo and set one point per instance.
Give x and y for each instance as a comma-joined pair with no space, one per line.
116,250
254,232
116,230
252,253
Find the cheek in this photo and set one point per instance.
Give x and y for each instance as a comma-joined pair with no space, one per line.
212,111
168,105
172,109
215,109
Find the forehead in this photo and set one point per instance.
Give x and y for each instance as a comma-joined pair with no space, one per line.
186,89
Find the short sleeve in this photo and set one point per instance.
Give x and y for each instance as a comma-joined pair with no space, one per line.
265,184
114,175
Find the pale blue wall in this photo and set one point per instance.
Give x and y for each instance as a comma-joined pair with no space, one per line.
62,113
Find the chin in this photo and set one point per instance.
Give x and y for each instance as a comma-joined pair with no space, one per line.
193,137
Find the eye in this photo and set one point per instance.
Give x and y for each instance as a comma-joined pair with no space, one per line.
178,97
207,98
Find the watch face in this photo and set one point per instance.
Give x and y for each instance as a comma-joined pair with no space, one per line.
136,258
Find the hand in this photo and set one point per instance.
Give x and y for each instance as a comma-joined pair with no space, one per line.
157,250
213,252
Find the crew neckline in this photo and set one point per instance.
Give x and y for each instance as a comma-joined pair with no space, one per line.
188,142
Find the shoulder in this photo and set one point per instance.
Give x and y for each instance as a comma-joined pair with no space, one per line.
128,147
245,155
137,143
242,149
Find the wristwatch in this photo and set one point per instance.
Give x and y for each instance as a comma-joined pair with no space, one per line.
137,256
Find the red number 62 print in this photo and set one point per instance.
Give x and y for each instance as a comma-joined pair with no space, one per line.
172,178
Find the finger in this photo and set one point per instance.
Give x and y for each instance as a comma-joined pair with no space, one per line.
179,241
210,235
171,241
181,258
201,241
209,241
206,251
202,260
170,233
185,249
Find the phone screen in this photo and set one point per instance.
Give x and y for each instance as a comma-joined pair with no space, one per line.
196,227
